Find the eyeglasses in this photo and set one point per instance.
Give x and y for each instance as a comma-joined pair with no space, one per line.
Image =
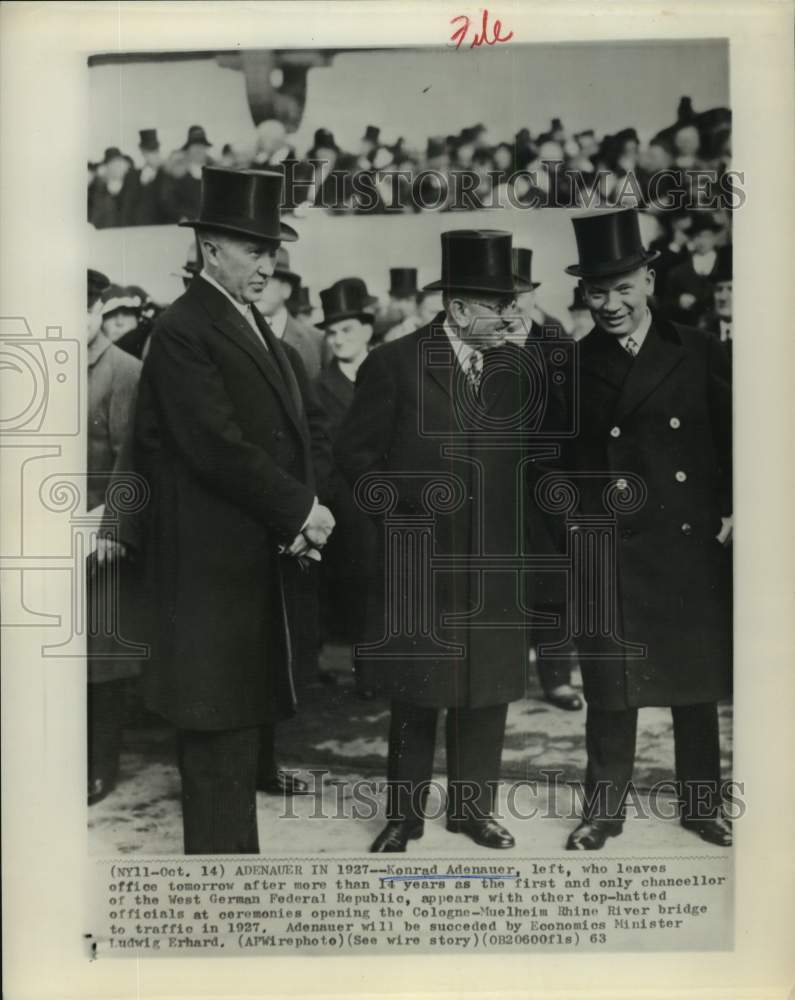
500,308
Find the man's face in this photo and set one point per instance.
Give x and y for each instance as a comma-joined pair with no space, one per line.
242,266
116,169
151,157
118,323
550,152
348,339
405,306
196,154
723,299
704,241
483,320
687,140
588,145
619,304
274,296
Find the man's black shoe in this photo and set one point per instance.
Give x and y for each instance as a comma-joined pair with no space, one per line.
591,835
486,832
717,830
395,835
282,783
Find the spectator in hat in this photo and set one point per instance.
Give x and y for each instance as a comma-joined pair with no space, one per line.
112,385
111,195
228,157
273,149
718,320
348,558
671,245
403,301
653,451
120,311
579,315
688,290
230,435
272,303
188,187
148,209
136,340
415,417
431,188
367,146
687,146
318,179
299,304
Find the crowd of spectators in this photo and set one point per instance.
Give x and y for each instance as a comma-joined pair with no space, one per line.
472,169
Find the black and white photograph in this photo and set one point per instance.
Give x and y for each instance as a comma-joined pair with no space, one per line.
395,485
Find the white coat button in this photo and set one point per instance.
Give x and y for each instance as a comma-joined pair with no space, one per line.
680,476
687,529
675,422
615,432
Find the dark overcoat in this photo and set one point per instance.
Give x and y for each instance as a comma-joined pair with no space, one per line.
230,437
413,423
665,418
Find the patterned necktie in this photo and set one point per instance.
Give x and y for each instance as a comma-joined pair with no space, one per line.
631,346
473,369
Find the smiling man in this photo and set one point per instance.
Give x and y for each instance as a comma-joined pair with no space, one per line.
234,447
655,407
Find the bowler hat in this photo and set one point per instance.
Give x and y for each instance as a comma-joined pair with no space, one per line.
113,153
148,140
196,137
478,260
282,268
402,282
523,265
371,134
245,202
608,243
347,298
323,140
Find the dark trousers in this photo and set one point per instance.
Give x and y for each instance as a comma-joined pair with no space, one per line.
219,772
474,751
106,703
610,742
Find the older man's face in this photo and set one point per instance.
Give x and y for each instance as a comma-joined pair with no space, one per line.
619,304
242,266
483,319
723,299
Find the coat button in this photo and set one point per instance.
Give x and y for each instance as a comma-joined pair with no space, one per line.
675,423
687,529
680,476
615,432
278,435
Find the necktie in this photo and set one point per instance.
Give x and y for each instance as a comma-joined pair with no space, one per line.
631,346
473,369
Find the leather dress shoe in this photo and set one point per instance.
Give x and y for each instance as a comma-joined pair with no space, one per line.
591,835
564,697
486,832
717,830
282,783
395,835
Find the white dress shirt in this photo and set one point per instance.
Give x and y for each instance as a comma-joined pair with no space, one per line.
640,334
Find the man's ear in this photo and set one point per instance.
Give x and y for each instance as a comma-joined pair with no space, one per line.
651,276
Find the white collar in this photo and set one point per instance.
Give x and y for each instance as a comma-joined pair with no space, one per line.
461,349
278,321
640,334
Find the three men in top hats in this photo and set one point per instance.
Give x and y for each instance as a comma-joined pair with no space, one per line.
306,340
654,450
439,423
233,444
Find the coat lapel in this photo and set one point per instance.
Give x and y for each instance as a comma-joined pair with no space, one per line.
661,352
602,355
435,355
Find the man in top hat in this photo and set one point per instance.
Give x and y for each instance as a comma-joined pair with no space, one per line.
423,418
148,209
688,289
654,450
111,195
306,340
348,311
300,304
529,326
403,302
367,146
197,156
719,320
234,446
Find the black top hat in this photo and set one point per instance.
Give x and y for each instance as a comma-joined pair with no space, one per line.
113,153
299,300
148,140
467,136
703,221
97,283
371,134
608,243
578,303
242,201
478,260
346,298
437,146
555,125
282,268
402,282
196,137
523,265
323,140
